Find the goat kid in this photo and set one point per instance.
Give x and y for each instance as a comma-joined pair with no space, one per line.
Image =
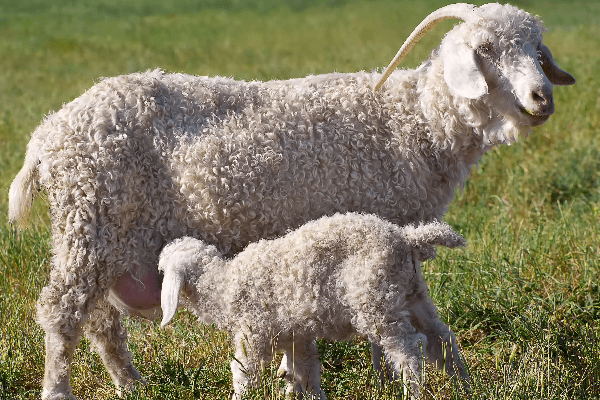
333,278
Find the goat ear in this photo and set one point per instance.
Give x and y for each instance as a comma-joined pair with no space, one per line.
461,72
169,296
554,74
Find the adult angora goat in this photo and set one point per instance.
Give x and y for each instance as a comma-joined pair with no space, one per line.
335,277
141,159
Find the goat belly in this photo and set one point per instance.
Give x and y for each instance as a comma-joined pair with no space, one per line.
137,292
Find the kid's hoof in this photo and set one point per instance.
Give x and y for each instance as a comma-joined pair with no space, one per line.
57,395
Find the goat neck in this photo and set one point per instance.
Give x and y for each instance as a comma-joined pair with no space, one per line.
457,124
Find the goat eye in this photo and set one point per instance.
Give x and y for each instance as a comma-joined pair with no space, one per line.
484,49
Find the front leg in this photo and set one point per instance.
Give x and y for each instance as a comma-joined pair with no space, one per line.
246,365
303,370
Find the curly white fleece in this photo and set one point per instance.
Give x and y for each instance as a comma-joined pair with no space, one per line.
335,277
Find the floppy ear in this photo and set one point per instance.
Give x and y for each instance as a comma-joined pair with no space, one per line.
554,74
169,297
461,72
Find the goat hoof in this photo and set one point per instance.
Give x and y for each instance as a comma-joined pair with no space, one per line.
281,373
131,386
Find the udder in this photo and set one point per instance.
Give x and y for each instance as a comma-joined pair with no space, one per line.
137,292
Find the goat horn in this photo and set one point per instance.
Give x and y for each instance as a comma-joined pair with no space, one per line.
462,11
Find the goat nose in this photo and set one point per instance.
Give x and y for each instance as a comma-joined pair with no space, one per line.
544,100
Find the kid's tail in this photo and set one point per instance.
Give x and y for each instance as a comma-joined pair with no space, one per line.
424,237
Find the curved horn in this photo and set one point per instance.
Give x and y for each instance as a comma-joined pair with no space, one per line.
462,11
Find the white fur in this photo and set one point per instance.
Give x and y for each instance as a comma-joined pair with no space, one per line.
335,277
139,160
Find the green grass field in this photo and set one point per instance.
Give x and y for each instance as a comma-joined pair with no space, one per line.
523,297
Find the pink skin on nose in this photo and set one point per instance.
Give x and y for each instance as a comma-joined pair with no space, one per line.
139,288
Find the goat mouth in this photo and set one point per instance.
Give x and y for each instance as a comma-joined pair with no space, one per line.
536,119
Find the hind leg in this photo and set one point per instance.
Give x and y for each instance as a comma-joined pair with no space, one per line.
62,310
383,369
442,349
403,349
108,338
392,332
59,354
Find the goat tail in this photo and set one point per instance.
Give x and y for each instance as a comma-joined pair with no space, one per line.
169,296
22,190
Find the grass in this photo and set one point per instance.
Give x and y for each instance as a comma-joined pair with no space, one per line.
523,297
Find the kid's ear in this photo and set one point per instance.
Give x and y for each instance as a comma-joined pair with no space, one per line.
461,72
169,297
